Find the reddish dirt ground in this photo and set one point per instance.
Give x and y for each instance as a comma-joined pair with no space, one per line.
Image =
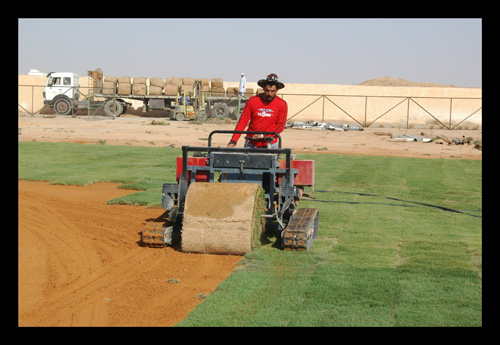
80,262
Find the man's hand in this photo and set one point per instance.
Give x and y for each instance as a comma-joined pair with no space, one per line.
258,136
231,143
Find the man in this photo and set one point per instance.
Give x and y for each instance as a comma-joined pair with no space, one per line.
263,113
243,84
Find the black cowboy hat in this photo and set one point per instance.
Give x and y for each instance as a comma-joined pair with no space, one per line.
273,79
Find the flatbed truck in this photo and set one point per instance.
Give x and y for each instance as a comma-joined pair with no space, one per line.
62,92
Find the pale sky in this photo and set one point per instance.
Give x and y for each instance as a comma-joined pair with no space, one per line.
310,51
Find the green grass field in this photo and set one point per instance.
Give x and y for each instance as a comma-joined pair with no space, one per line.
385,256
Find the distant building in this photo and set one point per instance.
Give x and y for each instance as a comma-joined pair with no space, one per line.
36,72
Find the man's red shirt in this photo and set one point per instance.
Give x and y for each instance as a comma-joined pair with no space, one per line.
263,117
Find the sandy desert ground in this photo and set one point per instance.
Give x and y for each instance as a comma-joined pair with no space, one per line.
149,131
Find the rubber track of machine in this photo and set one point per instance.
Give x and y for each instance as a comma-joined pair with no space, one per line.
152,235
302,229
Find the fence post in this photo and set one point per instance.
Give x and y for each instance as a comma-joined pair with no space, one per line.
323,110
451,104
32,99
366,105
408,113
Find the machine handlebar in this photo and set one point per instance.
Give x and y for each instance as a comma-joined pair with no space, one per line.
243,132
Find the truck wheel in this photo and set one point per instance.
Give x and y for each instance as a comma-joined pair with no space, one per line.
202,116
220,110
235,111
180,116
111,110
62,106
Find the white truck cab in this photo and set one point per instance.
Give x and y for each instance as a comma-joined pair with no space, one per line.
61,91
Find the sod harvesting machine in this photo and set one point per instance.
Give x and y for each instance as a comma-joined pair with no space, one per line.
224,197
